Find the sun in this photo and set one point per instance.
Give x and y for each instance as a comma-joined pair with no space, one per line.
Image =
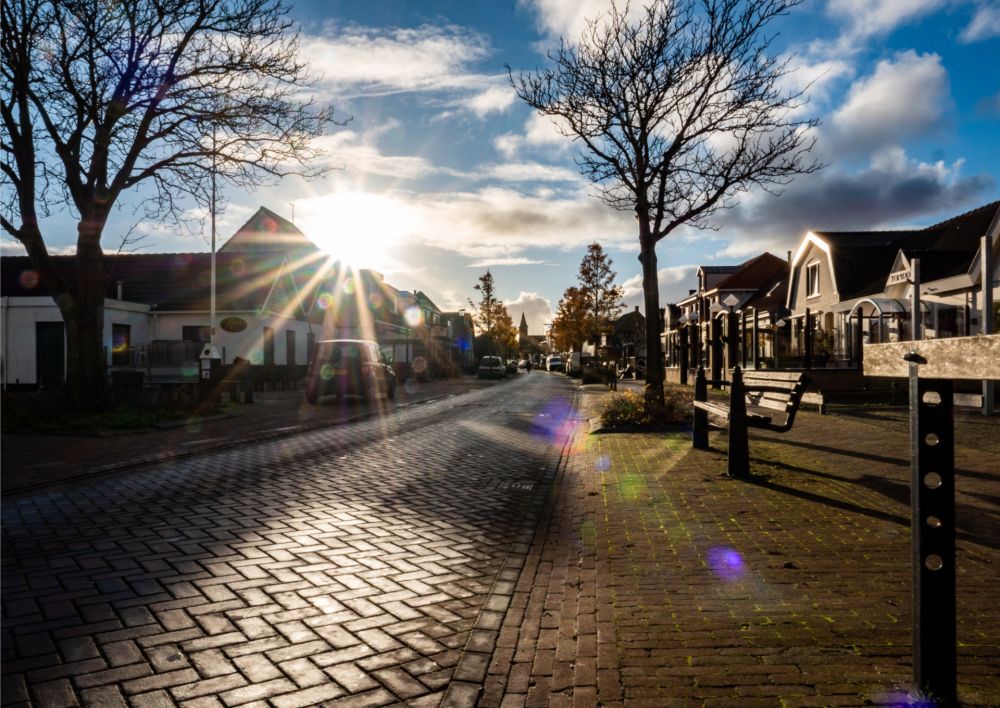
361,229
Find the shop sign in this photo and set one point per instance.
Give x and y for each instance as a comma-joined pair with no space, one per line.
233,324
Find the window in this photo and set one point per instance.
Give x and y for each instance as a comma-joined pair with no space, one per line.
812,279
196,333
290,347
121,336
268,346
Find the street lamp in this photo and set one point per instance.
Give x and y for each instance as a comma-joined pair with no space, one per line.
777,326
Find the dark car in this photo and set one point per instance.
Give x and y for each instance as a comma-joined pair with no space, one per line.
349,367
492,367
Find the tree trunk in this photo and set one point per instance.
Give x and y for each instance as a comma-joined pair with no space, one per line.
86,364
651,293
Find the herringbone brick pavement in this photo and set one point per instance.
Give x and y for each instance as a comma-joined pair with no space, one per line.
368,564
655,580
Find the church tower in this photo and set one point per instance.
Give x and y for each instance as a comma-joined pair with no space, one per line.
522,331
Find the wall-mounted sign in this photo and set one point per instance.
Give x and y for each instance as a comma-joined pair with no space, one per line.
899,276
233,324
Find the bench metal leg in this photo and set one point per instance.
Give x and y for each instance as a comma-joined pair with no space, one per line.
699,432
932,494
739,446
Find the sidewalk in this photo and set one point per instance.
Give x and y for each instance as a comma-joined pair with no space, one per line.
35,461
655,580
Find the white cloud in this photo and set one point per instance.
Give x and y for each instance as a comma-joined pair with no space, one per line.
985,24
513,261
867,18
495,99
674,283
370,61
531,172
358,153
905,96
539,132
569,18
537,311
12,247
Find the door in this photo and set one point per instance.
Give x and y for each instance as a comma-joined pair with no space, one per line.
290,347
50,354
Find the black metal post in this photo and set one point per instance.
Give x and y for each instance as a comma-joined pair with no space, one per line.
932,495
699,431
716,350
808,339
756,339
682,341
739,446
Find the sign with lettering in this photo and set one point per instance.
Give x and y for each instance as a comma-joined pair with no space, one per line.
233,324
899,276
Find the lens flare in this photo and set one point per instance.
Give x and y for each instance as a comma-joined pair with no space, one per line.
28,279
325,301
326,372
257,357
412,316
420,365
603,463
348,286
727,563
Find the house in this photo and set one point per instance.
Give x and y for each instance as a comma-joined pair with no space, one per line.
848,288
275,294
707,327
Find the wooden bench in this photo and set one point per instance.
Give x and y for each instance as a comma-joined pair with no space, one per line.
757,399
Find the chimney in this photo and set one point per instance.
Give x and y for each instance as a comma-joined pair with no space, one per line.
121,286
691,291
636,308
789,256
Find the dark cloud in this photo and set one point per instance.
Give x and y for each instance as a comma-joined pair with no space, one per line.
876,198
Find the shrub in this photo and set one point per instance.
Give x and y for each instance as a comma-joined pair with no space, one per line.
631,409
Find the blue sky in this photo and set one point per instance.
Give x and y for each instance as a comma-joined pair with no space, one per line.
442,173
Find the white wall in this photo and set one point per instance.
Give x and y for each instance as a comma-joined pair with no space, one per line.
247,344
21,313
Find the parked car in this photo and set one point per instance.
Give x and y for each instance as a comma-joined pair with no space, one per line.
511,366
576,362
554,363
349,367
492,367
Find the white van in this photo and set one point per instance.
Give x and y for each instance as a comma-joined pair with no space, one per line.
576,362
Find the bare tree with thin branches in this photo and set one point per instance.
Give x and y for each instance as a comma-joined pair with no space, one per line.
675,113
151,96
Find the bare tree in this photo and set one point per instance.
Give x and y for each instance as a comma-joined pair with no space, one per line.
98,98
676,113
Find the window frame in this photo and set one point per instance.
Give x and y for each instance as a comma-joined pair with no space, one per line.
813,267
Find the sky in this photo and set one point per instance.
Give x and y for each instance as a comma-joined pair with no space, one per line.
441,173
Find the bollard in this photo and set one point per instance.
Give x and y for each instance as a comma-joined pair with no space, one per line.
699,431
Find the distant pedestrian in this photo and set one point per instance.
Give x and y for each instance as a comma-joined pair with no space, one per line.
527,365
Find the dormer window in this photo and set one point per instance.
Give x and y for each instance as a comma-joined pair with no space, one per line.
812,279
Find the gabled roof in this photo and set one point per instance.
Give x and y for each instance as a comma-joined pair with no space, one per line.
754,273
171,281
718,270
861,260
267,232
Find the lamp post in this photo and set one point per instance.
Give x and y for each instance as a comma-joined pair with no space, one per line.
731,302
777,328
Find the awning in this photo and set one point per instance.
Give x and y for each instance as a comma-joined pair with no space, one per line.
881,305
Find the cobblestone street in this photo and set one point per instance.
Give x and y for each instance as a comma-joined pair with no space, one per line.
371,563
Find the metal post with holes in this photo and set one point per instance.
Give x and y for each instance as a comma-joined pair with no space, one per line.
932,441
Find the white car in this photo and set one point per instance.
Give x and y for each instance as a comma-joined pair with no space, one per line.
554,363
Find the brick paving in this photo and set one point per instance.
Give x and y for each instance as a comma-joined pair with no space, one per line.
363,564
485,549
655,580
